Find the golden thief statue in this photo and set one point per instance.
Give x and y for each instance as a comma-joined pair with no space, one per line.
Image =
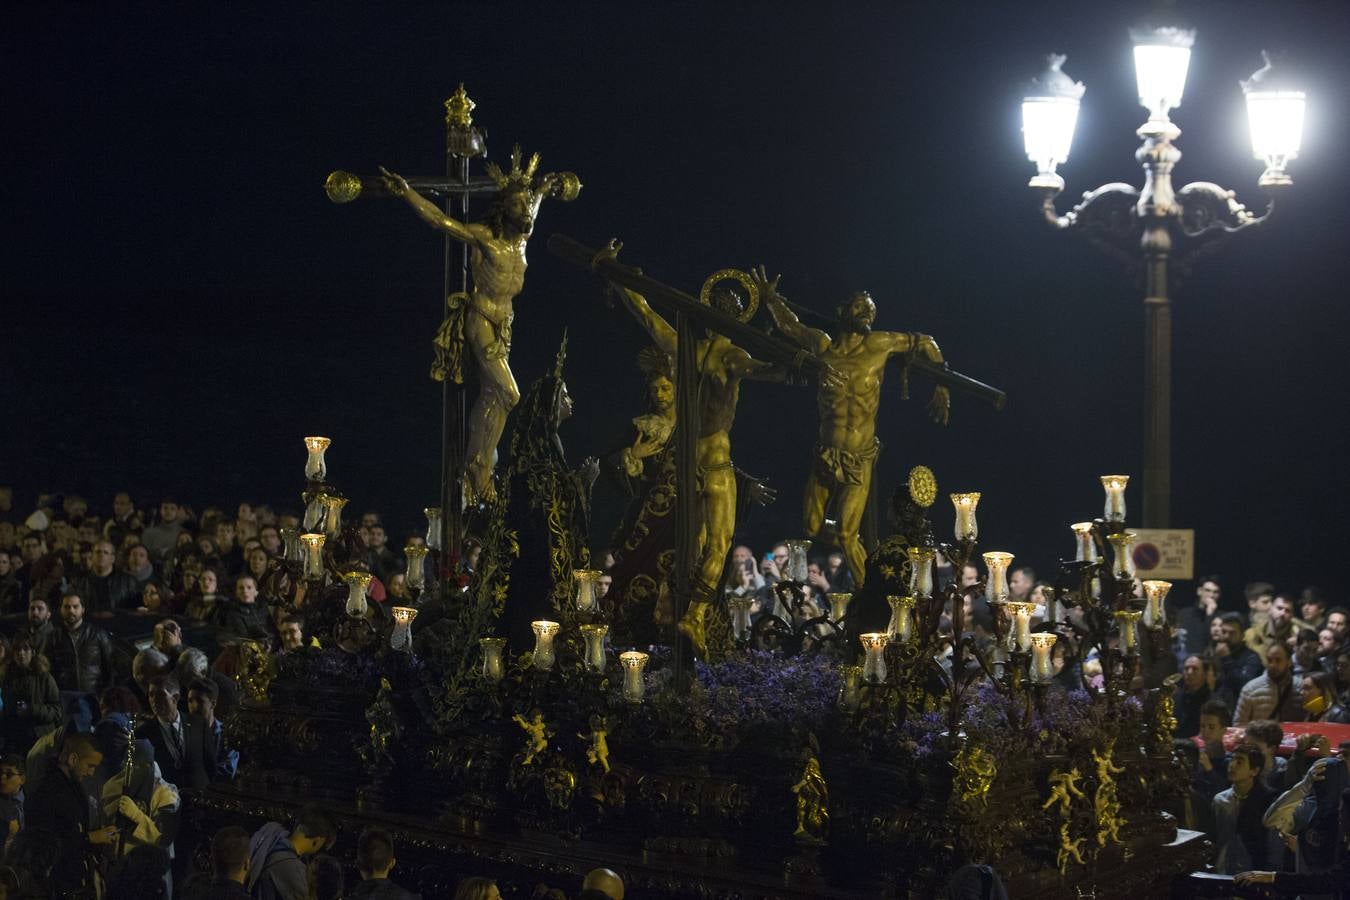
841,470
497,264
721,367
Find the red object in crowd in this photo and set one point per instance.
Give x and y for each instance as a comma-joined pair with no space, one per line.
1335,735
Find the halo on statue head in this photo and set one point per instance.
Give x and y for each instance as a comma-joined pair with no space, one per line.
743,280
922,486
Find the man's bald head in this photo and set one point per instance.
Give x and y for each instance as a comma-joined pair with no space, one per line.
604,881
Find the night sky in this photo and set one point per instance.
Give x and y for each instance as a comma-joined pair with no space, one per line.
182,302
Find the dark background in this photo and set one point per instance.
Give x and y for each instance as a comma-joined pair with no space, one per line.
182,303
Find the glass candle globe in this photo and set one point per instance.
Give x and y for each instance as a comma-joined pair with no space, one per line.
797,560
594,638
332,514
634,662
1122,547
966,527
544,632
492,657
357,584
1155,614
1042,664
313,544
996,584
433,514
1019,637
586,581
874,663
901,626
921,571
401,637
416,575
1114,485
315,467
839,602
740,617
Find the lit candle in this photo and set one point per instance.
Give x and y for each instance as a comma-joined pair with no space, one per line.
433,514
492,657
1122,545
740,617
586,581
901,627
1156,593
921,571
966,527
874,666
401,637
633,662
357,584
839,605
797,560
290,543
1019,638
332,514
594,637
544,631
313,556
415,577
996,585
315,467
1115,497
1086,547
1042,667
1128,620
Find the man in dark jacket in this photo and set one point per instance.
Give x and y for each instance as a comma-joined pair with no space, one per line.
106,588
1192,693
1238,663
374,860
276,867
183,747
61,806
229,864
39,629
81,652
1195,618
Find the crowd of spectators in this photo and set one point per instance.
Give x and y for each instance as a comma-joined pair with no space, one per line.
119,636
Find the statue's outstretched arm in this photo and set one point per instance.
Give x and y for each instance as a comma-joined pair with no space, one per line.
426,210
784,319
662,334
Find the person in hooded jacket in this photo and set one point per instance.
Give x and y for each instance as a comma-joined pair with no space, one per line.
276,866
32,700
144,805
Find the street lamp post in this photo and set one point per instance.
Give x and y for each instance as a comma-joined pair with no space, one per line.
1157,226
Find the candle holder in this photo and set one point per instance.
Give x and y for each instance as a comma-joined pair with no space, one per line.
901,626
874,666
433,514
313,544
1019,636
797,560
850,680
492,658
839,606
594,638
586,581
1122,543
996,585
633,662
740,617
290,544
1155,592
1052,610
1128,622
357,585
1042,665
416,575
1115,497
921,571
314,510
315,467
401,637
332,514
544,632
967,529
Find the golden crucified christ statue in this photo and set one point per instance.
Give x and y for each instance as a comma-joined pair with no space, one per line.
483,320
841,470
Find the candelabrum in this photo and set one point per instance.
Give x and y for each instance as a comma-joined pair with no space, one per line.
1170,226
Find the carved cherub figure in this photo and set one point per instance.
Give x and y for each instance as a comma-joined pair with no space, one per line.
536,735
597,748
1068,849
1105,768
813,802
1064,787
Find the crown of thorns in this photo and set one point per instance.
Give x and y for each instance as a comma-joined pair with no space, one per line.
517,179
